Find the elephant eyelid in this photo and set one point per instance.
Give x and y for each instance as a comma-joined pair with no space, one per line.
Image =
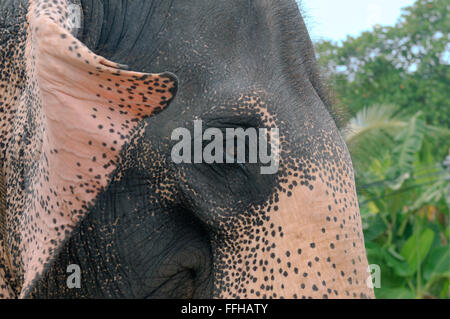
239,121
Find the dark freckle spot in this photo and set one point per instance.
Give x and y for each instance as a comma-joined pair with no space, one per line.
299,251
314,287
63,36
313,245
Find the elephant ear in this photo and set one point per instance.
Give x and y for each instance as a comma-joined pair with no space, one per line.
85,108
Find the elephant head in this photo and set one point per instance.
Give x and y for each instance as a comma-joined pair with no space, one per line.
87,169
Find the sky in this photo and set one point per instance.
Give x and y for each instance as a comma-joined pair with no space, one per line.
335,19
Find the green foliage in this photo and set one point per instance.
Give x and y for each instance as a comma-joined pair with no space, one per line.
394,81
404,197
406,65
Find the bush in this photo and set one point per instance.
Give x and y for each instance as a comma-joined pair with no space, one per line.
404,198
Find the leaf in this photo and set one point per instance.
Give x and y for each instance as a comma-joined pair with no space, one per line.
401,268
392,251
374,250
373,207
376,227
395,183
417,247
433,193
445,292
371,119
371,128
409,142
394,293
438,263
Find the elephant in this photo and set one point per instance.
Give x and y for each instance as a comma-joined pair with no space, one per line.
91,92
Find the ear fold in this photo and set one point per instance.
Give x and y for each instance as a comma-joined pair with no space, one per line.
87,108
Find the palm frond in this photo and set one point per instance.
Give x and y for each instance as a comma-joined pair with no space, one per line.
372,131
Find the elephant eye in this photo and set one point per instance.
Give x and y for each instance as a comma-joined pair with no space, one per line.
230,154
231,161
236,151
235,156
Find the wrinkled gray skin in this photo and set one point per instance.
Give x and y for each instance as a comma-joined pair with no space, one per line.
219,230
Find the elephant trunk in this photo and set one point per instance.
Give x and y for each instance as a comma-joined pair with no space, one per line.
312,245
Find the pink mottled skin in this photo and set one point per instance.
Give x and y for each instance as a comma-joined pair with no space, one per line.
89,108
